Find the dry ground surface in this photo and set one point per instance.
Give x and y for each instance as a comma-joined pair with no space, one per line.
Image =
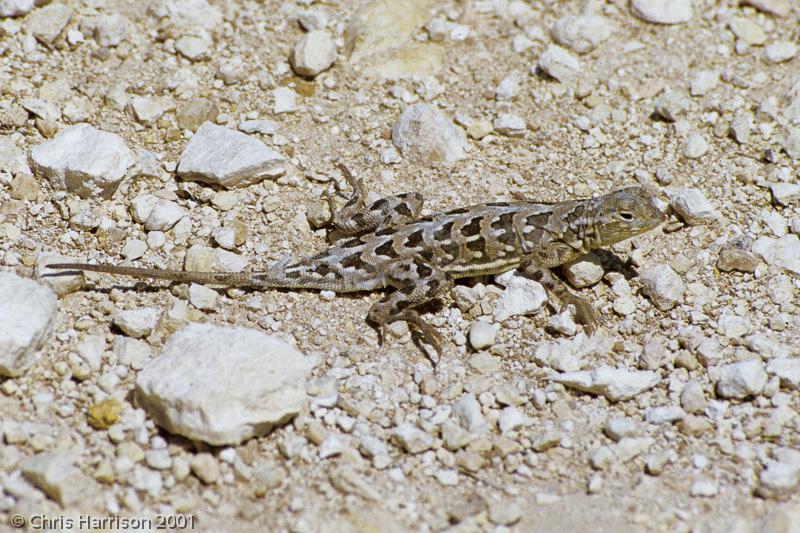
710,103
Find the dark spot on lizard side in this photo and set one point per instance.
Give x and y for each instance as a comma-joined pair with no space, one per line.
444,232
458,211
414,239
402,209
498,204
505,222
380,204
452,249
426,254
385,231
322,269
476,245
354,261
473,228
424,270
350,243
386,249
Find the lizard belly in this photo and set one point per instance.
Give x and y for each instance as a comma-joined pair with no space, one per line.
498,266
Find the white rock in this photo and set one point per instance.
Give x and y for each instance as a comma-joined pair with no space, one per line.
505,513
584,272
783,253
704,488
228,158
62,282
232,71
780,52
629,447
204,259
467,412
164,216
704,82
133,249
787,370
423,133
695,146
202,384
15,8
617,428
767,346
56,475
83,160
110,30
145,110
27,312
44,109
314,53
663,11
411,438
733,326
265,127
563,323
131,352
313,19
195,46
791,141
778,479
568,355
671,104
12,158
482,334
743,379
582,33
615,384
508,87
664,414
780,8
559,64
225,238
748,31
511,419
510,125
741,125
785,193
521,296
202,297
137,323
47,23
692,206
664,286
285,100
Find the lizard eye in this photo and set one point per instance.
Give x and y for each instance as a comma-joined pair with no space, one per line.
627,217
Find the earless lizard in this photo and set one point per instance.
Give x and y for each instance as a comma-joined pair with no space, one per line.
389,245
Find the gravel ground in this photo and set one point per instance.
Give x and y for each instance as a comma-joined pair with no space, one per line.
202,135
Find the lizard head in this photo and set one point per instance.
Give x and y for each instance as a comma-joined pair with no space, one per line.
626,213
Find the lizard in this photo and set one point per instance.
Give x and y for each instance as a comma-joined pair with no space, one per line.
388,244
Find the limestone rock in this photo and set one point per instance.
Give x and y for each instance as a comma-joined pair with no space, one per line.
223,385
83,160
221,156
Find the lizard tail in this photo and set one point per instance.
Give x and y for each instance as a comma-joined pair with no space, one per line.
231,279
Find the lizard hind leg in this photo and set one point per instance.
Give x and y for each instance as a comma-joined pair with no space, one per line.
357,218
585,312
416,283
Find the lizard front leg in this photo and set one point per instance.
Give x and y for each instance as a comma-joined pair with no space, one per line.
416,283
357,218
538,265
